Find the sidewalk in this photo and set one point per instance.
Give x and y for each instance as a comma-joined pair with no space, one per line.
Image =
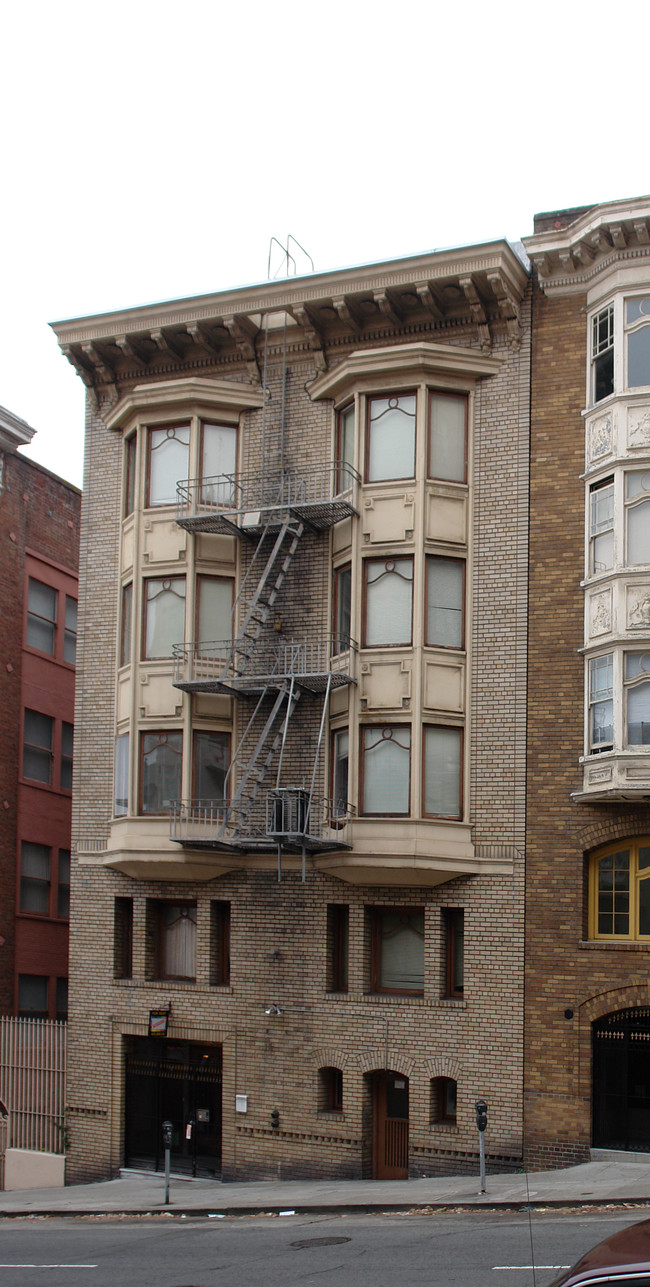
593,1183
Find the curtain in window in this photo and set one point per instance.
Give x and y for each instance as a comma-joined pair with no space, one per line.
442,772
386,770
165,616
389,601
169,455
210,765
447,437
391,446
161,770
215,609
219,457
341,753
179,942
402,951
121,805
445,602
638,519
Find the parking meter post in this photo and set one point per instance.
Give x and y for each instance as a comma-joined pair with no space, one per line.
167,1128
481,1123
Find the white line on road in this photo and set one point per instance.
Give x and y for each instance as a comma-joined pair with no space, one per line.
531,1266
49,1266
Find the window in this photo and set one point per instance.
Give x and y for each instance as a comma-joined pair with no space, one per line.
215,597
602,353
67,740
601,526
442,772
219,943
340,767
619,891
42,603
218,458
160,772
601,703
126,624
129,471
445,594
70,631
341,608
454,949
637,509
121,801
345,448
397,950
338,921
63,885
330,1090
386,769
637,322
123,939
389,602
61,999
32,996
390,450
38,747
444,1094
447,437
169,454
637,698
211,758
164,616
34,878
173,929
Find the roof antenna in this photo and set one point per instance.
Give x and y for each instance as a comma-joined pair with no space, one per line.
288,260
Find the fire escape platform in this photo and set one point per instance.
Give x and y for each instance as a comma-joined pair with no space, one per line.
318,515
253,685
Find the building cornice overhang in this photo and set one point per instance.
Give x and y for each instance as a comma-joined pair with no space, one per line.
14,432
571,259
194,395
472,285
413,362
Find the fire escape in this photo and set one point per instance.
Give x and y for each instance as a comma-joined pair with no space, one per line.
268,675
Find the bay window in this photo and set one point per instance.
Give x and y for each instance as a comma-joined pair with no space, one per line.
601,703
386,770
637,508
218,458
160,771
215,596
345,436
341,608
388,601
447,437
340,765
637,323
211,758
637,698
390,451
445,594
602,353
442,772
164,616
601,526
168,463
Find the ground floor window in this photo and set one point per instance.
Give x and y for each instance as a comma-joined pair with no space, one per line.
397,949
619,891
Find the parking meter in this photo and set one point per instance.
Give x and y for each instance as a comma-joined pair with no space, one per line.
481,1114
167,1131
481,1123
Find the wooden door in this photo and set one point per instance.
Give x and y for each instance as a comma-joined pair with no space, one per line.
390,1127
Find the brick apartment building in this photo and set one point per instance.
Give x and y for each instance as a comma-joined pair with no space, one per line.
297,875
587,1074
39,535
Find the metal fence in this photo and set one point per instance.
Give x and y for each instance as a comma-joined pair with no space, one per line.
32,1082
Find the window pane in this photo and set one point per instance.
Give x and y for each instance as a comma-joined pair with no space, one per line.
601,731
401,964
638,715
391,438
613,893
32,996
67,740
638,357
70,634
121,806
386,770
638,533
342,609
454,918
345,448
211,754
447,431
169,451
178,942
603,352
219,456
63,893
161,770
34,878
62,999
215,609
129,489
125,637
41,616
165,616
340,775
445,602
442,772
389,601
37,749
602,526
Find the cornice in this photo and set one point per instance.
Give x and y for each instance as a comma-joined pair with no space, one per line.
14,432
418,361
193,392
570,259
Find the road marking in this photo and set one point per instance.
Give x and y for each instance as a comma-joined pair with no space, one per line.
531,1266
49,1266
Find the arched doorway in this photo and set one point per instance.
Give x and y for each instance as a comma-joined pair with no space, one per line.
621,1080
390,1125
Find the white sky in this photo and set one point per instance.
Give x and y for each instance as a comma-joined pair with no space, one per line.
150,151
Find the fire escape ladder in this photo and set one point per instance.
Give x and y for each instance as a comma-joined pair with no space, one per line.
257,608
259,759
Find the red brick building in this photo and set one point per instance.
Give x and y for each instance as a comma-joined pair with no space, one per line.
39,535
587,1073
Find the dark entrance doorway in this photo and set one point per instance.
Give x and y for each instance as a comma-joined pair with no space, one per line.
621,1081
390,1126
180,1082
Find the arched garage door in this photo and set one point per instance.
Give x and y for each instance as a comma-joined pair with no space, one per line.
621,1081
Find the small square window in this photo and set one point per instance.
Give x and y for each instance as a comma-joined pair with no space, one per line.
397,950
444,1094
330,1096
171,940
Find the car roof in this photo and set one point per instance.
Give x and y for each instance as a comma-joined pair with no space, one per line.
626,1252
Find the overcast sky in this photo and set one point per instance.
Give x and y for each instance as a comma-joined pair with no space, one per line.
150,151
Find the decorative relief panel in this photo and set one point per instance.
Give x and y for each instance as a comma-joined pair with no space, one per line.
212,706
639,772
127,547
638,427
638,607
158,700
388,518
446,518
163,541
385,685
443,686
600,438
214,548
600,613
602,774
123,697
342,536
